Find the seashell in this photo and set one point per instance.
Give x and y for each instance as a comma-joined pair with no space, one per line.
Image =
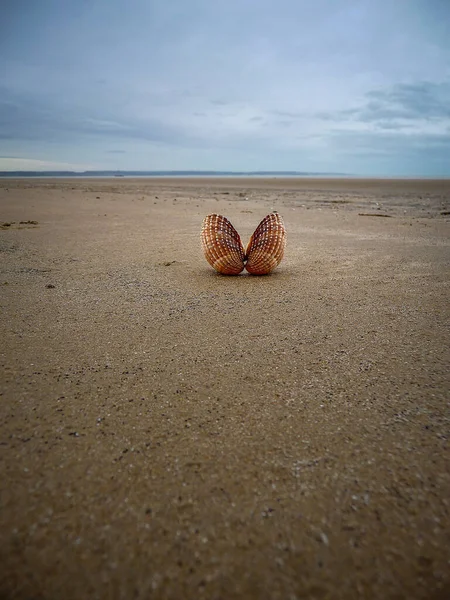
266,246
222,245
223,248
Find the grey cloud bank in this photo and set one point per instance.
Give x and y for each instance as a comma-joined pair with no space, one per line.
354,86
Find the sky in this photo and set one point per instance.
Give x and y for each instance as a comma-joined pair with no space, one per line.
350,86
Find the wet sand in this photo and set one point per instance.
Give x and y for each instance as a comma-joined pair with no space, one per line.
168,432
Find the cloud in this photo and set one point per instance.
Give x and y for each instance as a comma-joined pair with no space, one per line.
287,113
399,106
219,102
29,116
389,144
407,104
29,164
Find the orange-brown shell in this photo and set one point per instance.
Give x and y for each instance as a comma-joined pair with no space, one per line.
266,246
222,245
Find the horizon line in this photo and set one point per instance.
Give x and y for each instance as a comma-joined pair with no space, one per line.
202,173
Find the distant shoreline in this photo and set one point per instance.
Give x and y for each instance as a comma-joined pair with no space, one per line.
210,175
145,174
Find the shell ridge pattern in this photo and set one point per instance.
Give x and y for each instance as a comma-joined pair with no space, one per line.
222,245
266,247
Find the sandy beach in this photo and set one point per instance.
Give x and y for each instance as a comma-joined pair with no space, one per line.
168,432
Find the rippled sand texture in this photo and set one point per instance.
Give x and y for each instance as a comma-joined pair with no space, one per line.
168,432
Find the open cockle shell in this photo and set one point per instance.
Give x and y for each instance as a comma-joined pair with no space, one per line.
224,251
266,246
222,245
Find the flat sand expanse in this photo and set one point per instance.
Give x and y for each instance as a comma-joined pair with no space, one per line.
168,432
